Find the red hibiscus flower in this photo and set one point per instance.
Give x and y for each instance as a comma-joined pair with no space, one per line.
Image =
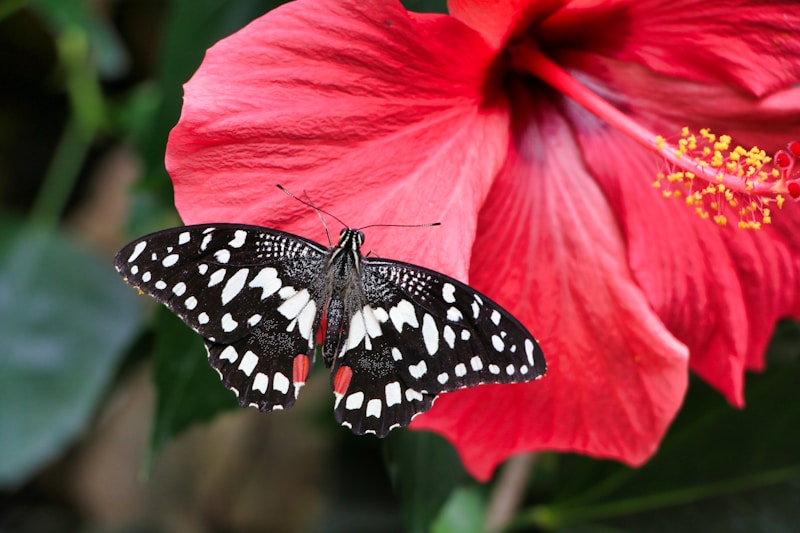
531,130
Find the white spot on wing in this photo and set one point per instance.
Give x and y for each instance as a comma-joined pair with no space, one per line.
465,334
266,280
161,285
137,250
291,307
183,238
305,322
205,242
261,382
430,334
412,395
393,394
403,313
497,343
397,355
191,302
494,369
476,363
529,350
253,320
476,310
418,370
496,317
449,293
202,318
147,276
461,370
510,370
170,260
229,353
354,401
234,285
449,336
228,323
280,383
216,278
454,315
238,239
223,255
179,289
442,378
249,362
374,408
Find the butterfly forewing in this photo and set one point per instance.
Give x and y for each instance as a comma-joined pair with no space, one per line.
265,301
421,333
249,291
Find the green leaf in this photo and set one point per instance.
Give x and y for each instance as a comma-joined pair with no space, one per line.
464,512
77,15
188,390
424,470
65,320
719,468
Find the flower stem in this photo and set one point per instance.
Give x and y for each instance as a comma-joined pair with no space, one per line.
61,175
559,516
508,492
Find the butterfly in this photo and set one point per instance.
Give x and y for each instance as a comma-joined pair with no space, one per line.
267,303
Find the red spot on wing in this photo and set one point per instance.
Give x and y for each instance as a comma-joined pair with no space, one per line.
323,326
300,368
342,380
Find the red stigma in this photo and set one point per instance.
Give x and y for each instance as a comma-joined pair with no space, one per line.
783,160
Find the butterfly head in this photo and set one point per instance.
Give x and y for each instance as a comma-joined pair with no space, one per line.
351,239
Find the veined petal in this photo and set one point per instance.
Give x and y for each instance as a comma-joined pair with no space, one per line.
719,290
500,22
665,104
549,248
751,44
379,117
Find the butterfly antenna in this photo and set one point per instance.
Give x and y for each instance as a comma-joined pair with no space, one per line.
426,225
321,218
319,210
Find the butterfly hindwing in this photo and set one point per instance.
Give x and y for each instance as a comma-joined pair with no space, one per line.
249,291
421,333
265,301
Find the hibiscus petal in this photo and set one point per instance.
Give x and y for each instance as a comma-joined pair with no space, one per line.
751,44
500,22
679,260
719,290
549,249
665,104
375,114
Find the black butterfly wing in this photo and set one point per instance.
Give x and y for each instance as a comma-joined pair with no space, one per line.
421,333
251,292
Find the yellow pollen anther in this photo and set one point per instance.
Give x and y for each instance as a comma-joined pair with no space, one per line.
720,180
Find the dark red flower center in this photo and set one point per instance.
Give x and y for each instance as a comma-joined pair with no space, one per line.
714,177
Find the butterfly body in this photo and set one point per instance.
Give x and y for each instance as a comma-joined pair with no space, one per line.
267,302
